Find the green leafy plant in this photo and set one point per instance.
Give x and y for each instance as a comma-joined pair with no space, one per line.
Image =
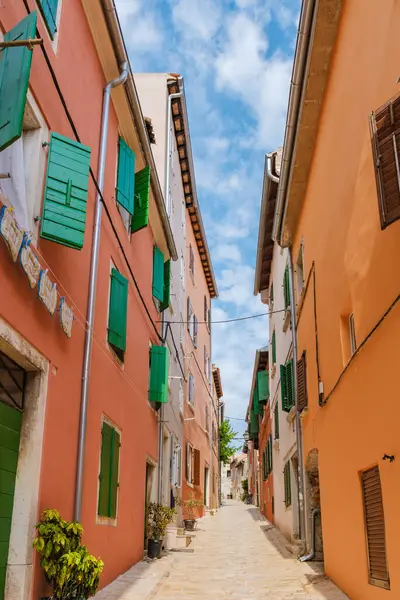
158,517
189,507
73,573
245,486
226,436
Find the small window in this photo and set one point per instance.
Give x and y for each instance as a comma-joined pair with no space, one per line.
109,471
118,312
287,386
125,187
352,333
286,287
191,389
191,260
287,484
158,275
189,463
300,272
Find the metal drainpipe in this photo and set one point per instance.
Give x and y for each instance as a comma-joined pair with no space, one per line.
92,290
311,555
168,156
299,442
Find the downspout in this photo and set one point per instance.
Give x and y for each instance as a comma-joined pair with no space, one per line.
304,35
92,290
311,555
270,176
299,441
168,157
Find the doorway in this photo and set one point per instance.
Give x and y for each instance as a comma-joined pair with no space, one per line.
206,471
148,495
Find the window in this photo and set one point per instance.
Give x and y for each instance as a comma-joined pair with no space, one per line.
158,388
140,217
48,9
191,389
271,296
276,419
302,397
287,386
264,459
385,126
189,463
195,330
190,318
191,260
209,320
300,271
375,528
125,187
205,309
158,274
109,471
263,386
352,333
118,312
287,484
273,344
286,287
207,427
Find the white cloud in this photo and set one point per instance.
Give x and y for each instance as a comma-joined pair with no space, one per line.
227,253
142,28
197,18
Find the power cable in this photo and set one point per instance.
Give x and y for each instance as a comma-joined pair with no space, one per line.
273,312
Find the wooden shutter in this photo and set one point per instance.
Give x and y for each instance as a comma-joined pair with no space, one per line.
189,315
283,388
385,126
158,391
167,285
140,217
114,472
273,348
302,397
196,475
158,274
375,528
257,407
126,177
287,483
118,310
65,196
15,69
289,385
105,470
48,9
254,424
263,386
286,287
276,419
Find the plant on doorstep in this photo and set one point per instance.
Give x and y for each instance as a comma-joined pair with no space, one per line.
72,572
189,510
158,517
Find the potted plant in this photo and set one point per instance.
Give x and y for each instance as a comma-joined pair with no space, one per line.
189,511
158,517
72,572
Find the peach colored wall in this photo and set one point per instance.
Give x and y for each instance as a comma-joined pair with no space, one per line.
194,431
266,486
119,394
356,265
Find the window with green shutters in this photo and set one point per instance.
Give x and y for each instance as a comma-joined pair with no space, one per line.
287,386
126,177
287,484
158,274
65,196
286,287
140,217
167,286
276,419
257,407
48,9
273,344
118,312
254,423
158,391
15,69
263,386
109,471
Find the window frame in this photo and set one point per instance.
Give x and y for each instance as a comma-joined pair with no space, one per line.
107,519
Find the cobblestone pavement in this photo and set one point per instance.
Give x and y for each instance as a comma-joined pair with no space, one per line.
236,558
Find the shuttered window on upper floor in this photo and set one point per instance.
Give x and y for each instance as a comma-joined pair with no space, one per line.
15,69
158,274
118,313
159,359
257,406
140,217
196,467
263,386
287,484
302,396
48,9
126,177
286,287
273,344
109,471
375,528
167,286
66,192
385,133
287,386
276,419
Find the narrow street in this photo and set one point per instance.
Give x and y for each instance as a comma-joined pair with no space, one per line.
234,557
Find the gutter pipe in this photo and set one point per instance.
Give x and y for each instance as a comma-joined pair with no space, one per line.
304,35
311,555
92,289
299,440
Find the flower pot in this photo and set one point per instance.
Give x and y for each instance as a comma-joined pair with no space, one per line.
189,524
154,548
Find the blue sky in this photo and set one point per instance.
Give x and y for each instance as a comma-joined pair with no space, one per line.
236,59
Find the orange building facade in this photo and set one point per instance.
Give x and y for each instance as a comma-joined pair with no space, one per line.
338,207
41,348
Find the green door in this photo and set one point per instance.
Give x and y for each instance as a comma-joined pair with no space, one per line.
10,430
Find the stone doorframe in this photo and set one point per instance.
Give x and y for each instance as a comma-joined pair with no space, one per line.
26,497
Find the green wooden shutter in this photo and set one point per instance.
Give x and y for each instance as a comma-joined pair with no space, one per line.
49,11
158,274
142,198
114,470
65,196
118,310
15,69
286,287
287,484
277,421
263,386
159,374
126,177
289,384
105,470
167,285
254,425
257,407
273,348
283,387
